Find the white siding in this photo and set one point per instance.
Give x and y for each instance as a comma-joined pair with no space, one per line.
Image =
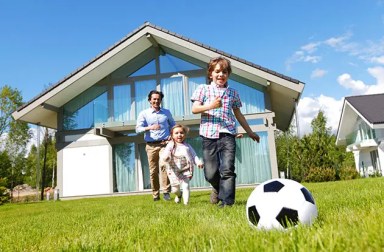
86,171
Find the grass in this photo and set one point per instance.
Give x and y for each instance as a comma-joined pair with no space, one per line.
351,218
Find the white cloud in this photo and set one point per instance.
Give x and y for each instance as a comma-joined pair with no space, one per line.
301,56
357,86
309,107
378,60
338,42
311,47
368,51
318,73
378,74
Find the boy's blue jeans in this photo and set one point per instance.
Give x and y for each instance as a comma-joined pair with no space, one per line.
219,165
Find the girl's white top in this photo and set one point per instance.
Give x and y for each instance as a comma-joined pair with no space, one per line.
182,149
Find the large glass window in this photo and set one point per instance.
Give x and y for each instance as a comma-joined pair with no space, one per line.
86,109
144,166
148,69
252,160
251,98
142,89
193,83
173,95
122,103
169,63
124,168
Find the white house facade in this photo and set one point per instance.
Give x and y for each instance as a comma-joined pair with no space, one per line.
94,111
361,130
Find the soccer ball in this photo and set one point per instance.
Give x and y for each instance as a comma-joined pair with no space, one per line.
280,204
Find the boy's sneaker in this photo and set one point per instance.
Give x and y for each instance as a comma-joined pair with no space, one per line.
223,205
214,199
167,197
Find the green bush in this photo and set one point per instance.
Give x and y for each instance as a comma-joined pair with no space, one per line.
347,173
317,174
5,196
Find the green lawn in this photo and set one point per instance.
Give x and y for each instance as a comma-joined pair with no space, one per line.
351,218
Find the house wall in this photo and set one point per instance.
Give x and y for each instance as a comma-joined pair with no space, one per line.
380,151
364,167
362,154
84,166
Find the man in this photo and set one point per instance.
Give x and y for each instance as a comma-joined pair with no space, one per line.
156,123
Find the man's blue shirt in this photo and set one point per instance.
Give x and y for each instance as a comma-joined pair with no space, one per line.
150,116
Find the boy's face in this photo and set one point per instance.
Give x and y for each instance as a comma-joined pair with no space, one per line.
219,76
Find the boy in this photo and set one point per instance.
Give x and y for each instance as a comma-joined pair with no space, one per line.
218,105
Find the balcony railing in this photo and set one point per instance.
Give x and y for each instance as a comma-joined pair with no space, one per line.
358,136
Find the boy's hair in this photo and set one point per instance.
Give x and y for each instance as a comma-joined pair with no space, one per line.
155,92
224,63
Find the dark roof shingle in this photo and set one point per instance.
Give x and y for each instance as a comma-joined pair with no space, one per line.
369,106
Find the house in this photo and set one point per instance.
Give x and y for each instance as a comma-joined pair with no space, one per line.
95,107
361,130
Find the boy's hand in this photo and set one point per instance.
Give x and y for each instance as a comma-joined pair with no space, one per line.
239,135
255,137
216,103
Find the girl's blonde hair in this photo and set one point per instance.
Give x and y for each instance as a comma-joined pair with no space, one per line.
224,64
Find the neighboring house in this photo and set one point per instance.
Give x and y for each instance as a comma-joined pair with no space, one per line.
94,111
361,129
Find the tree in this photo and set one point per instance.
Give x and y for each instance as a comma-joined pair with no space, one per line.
51,168
17,133
315,150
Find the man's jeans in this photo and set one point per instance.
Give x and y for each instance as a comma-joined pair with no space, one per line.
219,165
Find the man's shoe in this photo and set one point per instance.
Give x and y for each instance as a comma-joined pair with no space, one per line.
214,199
156,198
167,197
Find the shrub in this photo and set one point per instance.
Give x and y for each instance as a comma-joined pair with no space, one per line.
347,173
5,196
318,174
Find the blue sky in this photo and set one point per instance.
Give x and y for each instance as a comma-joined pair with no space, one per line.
335,47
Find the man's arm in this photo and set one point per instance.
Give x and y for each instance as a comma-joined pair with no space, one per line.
241,119
142,125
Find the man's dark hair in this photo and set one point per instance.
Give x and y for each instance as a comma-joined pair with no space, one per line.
155,92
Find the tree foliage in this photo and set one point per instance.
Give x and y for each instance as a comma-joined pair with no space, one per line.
16,135
316,152
34,176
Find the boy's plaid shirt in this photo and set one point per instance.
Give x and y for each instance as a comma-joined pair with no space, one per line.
221,118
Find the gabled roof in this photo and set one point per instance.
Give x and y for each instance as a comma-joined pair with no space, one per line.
369,108
43,108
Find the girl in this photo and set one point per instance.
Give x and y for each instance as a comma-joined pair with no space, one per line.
181,159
